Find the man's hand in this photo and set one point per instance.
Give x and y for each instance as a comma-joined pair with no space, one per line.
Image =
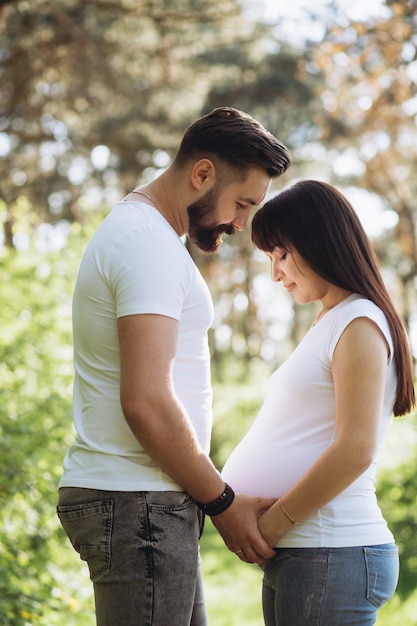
238,526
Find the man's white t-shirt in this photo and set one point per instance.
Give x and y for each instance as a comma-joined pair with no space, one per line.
295,426
134,264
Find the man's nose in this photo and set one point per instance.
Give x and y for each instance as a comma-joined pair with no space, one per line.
240,222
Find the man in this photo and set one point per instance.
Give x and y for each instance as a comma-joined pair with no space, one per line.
138,477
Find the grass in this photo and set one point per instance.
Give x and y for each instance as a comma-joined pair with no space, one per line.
232,588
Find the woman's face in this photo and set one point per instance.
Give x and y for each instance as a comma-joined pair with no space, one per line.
299,279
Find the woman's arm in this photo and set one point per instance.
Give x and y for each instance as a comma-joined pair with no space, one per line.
359,371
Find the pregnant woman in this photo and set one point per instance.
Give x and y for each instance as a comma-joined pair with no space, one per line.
315,444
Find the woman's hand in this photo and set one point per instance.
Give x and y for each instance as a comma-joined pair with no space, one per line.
273,523
268,528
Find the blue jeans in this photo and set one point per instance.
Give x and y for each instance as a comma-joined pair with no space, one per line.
142,552
329,586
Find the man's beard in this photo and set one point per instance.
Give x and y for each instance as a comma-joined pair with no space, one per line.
203,230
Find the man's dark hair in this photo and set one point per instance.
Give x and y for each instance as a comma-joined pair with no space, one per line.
235,139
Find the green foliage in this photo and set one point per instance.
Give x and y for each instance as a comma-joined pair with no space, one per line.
35,421
398,612
236,403
398,501
232,589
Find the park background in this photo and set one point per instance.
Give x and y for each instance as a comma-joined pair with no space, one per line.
94,97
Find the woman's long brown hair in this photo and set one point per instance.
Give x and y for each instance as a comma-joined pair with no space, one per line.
320,223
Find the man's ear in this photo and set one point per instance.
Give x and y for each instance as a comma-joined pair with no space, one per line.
203,174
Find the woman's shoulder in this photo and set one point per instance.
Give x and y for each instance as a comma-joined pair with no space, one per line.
356,306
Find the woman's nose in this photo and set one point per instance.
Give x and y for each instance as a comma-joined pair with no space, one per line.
276,274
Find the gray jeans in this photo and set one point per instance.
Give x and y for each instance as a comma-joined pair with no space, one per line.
142,552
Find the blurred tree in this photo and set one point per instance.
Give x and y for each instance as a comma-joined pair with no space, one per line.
348,104
96,94
272,82
369,107
95,97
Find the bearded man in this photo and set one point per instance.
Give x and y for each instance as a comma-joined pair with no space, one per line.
138,479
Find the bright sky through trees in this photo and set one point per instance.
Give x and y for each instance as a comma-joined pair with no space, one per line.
354,9
295,19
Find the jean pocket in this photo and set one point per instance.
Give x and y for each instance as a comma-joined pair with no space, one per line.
169,501
89,528
382,568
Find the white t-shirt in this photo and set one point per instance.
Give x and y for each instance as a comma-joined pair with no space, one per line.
135,263
295,426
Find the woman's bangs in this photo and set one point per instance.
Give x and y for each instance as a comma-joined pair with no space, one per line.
266,237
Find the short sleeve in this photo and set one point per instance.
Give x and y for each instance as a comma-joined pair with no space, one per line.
353,310
148,271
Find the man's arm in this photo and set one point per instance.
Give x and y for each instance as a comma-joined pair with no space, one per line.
159,421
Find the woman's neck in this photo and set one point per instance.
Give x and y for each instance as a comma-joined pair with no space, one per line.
331,300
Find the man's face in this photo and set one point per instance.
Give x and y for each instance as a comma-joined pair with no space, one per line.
225,209
203,228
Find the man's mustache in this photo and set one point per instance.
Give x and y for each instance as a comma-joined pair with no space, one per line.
229,229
